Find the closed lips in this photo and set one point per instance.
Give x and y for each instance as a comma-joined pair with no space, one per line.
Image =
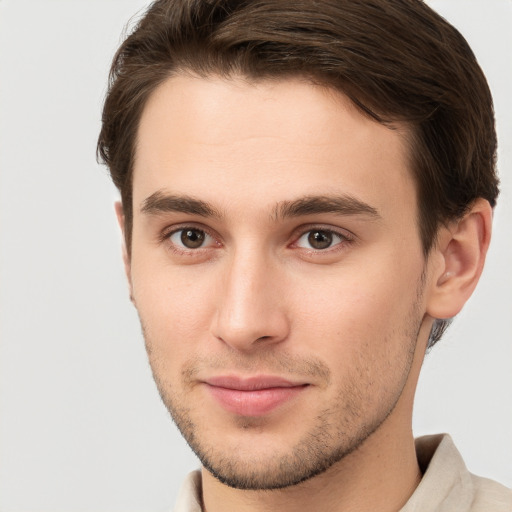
256,396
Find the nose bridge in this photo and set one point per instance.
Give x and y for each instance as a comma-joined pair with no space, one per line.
250,307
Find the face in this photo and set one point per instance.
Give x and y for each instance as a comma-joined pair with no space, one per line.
277,270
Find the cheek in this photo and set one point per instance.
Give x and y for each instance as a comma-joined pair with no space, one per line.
367,310
367,336
175,307
336,326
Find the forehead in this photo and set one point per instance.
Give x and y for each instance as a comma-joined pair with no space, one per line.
267,141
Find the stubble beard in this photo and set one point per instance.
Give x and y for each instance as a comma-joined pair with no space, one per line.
337,431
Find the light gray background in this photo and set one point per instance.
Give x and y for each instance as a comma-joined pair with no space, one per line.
81,425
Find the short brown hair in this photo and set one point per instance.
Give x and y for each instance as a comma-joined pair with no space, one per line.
397,60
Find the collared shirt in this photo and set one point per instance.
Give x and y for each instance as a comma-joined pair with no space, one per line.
446,486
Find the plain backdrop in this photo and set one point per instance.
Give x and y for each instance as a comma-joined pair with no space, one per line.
81,425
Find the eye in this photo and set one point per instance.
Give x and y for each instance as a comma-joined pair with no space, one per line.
190,238
319,239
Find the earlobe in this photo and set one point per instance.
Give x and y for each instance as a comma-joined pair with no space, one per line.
462,247
126,259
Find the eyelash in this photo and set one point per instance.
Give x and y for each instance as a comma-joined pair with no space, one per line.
345,238
167,234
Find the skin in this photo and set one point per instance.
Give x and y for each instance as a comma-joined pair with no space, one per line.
233,161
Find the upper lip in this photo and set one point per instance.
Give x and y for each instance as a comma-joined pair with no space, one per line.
251,383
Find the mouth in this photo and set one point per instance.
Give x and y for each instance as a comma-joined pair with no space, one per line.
253,396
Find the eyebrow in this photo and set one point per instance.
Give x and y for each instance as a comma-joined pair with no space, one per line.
340,205
160,202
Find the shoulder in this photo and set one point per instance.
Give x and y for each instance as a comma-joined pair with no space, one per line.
490,496
448,486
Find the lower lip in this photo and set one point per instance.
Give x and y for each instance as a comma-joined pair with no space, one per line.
255,402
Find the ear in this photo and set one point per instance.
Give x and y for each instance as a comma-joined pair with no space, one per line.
461,249
126,259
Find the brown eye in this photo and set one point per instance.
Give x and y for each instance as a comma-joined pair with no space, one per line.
320,239
192,238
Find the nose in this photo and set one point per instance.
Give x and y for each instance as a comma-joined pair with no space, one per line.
251,312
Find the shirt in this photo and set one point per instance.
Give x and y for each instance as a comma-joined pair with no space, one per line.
446,486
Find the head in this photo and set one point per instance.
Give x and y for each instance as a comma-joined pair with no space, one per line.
397,61
396,95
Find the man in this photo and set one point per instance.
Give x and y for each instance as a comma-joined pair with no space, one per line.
307,193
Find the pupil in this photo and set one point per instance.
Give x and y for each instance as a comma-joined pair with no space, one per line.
192,238
320,239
